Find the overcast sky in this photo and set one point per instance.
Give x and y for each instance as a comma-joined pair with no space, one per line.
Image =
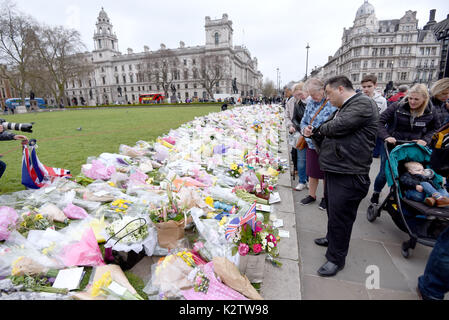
274,31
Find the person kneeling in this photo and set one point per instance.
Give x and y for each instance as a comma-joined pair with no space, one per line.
422,185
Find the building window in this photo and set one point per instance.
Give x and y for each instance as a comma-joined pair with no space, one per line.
374,52
373,63
217,38
185,62
390,64
99,43
186,75
388,76
194,62
380,76
116,80
381,63
124,79
403,76
382,51
365,64
390,51
186,86
131,78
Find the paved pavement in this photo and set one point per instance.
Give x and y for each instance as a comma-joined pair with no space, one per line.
372,244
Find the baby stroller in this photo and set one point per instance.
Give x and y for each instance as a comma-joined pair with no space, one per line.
422,223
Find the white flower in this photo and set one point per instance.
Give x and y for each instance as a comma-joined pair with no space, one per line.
270,244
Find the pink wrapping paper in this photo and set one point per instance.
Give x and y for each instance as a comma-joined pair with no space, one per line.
74,212
217,290
86,252
8,218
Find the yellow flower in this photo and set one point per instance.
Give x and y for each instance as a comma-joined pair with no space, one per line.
234,166
240,170
223,221
38,217
16,270
101,284
112,184
209,201
210,215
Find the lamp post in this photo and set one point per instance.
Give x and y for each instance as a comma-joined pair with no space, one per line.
307,59
277,80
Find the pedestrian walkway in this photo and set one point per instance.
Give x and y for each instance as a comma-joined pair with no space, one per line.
375,244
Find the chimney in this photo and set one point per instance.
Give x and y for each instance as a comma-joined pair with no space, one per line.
146,48
432,15
130,51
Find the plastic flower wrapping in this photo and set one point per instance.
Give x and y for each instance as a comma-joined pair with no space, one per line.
204,173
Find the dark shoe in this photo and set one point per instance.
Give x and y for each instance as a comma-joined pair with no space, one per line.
322,205
430,202
322,242
308,200
375,198
329,269
442,202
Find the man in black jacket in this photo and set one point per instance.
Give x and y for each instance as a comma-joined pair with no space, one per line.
346,142
4,136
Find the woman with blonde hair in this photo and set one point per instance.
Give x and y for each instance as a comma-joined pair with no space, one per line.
440,99
411,119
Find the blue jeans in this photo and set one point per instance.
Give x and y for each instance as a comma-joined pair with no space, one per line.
302,165
434,283
381,180
429,190
2,168
377,148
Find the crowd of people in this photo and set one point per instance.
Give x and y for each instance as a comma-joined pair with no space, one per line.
339,131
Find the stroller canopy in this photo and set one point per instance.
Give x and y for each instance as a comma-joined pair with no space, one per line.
408,152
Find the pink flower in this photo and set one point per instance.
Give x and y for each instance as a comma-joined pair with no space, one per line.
258,226
257,248
243,249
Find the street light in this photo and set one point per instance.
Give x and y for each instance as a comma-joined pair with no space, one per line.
277,80
307,60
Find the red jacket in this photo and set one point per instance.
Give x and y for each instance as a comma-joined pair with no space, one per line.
397,96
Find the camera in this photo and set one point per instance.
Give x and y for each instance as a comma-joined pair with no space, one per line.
25,127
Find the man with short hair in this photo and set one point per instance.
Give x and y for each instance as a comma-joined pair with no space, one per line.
369,85
346,142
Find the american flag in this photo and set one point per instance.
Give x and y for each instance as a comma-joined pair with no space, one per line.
249,218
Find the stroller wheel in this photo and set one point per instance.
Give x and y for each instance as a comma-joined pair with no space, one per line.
406,250
372,213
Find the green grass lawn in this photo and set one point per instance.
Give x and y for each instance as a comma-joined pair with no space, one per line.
61,145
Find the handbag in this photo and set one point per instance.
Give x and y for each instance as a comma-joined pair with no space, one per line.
302,143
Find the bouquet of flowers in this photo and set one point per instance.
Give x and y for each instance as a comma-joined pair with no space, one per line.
264,239
128,230
235,170
107,287
257,127
32,220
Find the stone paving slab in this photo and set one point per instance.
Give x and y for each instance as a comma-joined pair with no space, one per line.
318,288
286,204
281,283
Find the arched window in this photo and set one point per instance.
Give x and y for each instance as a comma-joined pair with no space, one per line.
217,36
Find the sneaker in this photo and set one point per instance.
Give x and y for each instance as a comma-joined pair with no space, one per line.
308,200
300,187
375,198
442,202
322,205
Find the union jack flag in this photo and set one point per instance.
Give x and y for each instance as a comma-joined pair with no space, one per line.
249,218
36,175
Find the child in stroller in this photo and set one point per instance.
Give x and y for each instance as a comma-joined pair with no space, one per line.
420,185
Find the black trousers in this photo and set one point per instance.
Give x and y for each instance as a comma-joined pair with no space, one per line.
294,154
2,168
343,192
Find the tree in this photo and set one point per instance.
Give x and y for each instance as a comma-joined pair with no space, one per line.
163,67
60,57
212,71
16,47
268,88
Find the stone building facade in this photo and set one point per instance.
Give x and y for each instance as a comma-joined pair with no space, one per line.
394,50
132,74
